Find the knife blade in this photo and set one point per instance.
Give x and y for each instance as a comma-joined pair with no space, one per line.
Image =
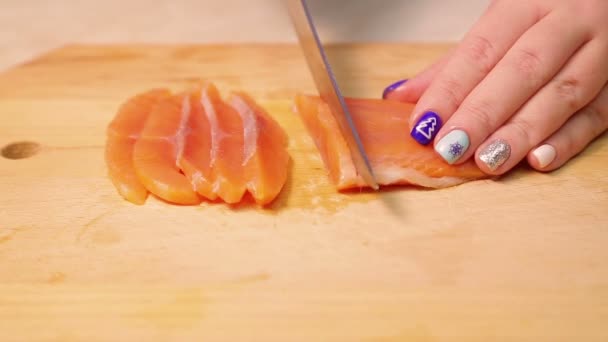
328,87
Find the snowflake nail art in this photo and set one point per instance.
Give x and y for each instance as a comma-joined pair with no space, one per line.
453,145
456,149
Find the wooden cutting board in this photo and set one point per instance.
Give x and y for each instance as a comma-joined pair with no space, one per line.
523,257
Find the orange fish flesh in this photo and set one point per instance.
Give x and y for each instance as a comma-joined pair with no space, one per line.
383,127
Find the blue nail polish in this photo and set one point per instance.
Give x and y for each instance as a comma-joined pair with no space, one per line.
427,127
392,87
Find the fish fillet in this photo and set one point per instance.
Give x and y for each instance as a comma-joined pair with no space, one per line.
384,131
159,146
122,132
266,159
199,145
227,151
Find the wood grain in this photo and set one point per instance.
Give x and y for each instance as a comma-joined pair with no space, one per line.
519,258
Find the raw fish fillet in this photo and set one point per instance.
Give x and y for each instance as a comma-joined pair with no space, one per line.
199,146
396,158
122,132
265,159
157,149
227,147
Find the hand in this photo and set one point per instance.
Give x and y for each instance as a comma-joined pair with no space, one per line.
528,80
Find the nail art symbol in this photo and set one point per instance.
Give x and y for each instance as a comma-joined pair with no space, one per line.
427,128
453,145
456,149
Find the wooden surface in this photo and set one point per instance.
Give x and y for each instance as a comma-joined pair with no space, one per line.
523,257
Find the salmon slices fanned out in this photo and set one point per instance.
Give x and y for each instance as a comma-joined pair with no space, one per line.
122,133
265,155
191,146
395,157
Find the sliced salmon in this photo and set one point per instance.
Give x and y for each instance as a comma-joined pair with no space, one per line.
227,146
159,147
193,145
122,132
265,149
394,156
119,159
133,113
199,145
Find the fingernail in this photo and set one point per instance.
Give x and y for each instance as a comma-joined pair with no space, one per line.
545,155
452,146
427,127
495,154
392,87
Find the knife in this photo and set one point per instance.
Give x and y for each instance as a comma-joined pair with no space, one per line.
328,87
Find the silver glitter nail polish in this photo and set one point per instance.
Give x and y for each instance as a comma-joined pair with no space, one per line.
495,154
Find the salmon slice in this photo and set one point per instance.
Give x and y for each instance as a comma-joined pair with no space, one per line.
159,147
226,153
119,159
122,132
265,149
384,131
195,160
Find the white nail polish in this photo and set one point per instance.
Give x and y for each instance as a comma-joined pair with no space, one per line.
452,146
545,155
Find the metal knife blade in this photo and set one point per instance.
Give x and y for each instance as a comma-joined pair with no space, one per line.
328,87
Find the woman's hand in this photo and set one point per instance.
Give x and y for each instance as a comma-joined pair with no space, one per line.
528,80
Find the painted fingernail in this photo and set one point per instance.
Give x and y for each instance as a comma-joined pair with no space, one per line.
453,145
545,155
427,127
495,154
392,87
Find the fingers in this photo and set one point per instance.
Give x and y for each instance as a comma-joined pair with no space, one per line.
573,137
534,60
473,59
573,87
411,90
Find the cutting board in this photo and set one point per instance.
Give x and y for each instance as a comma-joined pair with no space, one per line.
520,257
